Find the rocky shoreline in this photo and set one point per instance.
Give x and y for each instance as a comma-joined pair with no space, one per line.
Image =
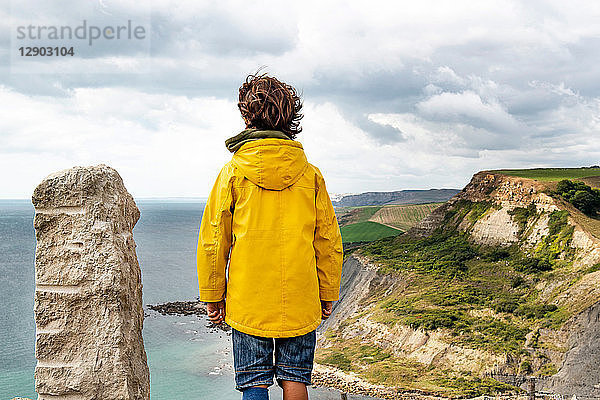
322,376
193,307
351,383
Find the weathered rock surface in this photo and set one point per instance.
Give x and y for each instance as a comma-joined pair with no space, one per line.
496,228
88,297
354,286
579,372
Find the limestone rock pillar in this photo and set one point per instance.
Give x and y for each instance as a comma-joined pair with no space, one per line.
88,294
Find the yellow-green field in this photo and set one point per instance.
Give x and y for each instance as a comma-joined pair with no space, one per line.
403,216
365,224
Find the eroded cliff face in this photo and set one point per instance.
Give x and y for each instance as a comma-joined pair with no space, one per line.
362,286
573,346
497,227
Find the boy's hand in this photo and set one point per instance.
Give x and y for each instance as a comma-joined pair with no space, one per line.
326,307
216,312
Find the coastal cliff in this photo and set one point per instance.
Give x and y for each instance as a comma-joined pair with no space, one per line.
498,285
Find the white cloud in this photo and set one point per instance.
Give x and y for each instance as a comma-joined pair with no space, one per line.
161,144
469,106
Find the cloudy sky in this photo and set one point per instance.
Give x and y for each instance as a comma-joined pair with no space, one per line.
397,95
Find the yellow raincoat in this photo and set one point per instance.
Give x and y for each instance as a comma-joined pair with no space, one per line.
270,207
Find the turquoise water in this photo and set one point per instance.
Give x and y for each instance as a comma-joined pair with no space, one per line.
187,359
17,329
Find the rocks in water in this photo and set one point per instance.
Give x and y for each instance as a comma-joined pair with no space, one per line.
88,296
179,308
194,307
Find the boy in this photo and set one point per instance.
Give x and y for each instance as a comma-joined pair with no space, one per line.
270,216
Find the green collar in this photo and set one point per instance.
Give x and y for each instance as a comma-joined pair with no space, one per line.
250,134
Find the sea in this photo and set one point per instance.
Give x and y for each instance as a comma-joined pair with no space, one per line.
187,358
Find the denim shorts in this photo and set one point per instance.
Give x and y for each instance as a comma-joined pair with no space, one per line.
253,359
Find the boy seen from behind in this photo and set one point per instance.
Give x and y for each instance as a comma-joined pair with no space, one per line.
269,217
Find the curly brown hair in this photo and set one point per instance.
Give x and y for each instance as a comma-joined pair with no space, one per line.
267,103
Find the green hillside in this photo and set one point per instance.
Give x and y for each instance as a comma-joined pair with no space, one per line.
551,174
484,298
368,223
366,231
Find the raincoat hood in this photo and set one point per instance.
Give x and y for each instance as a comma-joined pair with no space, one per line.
271,163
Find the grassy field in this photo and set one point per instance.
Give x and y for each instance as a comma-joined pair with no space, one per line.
403,216
366,231
365,224
551,174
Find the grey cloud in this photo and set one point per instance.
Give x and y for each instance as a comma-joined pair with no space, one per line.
530,102
386,88
383,133
372,92
216,33
468,107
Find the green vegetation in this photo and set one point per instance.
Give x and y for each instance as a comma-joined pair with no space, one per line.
364,213
462,208
551,174
366,231
478,209
521,216
442,254
582,196
557,242
381,367
548,370
489,298
593,268
531,265
337,359
451,277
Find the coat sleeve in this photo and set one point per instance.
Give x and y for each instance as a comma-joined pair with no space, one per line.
327,244
214,238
